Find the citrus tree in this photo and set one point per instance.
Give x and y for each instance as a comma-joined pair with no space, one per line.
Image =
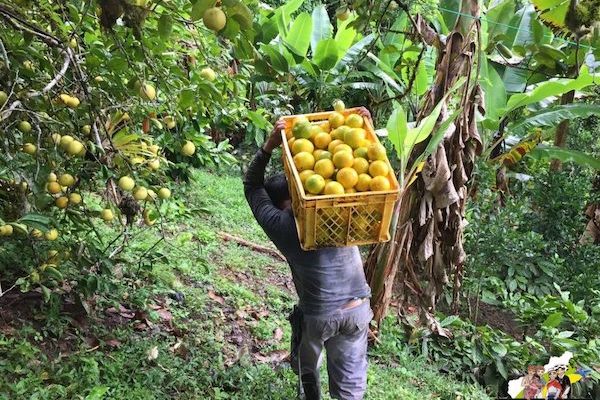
102,105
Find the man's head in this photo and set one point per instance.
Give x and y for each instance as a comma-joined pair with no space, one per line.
277,189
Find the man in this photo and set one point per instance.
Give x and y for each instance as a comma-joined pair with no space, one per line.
334,310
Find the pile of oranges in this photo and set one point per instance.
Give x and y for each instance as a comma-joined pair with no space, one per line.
335,157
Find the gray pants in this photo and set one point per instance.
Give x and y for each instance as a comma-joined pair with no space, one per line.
344,336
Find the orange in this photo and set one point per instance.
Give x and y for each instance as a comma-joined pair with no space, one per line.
343,159
304,160
379,183
317,153
334,188
351,190
361,152
340,132
322,140
354,121
314,130
324,168
333,144
302,145
347,177
354,137
360,165
289,134
378,168
336,119
291,142
62,202
305,174
364,180
342,147
314,184
325,155
376,151
301,130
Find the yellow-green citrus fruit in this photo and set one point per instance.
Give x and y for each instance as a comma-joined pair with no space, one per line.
354,121
107,214
164,193
376,151
62,202
65,141
3,97
140,193
147,92
53,187
305,174
343,159
336,119
214,19
169,122
324,155
361,152
75,198
379,183
322,140
339,105
208,74
73,43
301,130
126,183
304,160
342,13
188,149
324,168
363,183
52,234
29,148
302,145
56,138
66,180
52,177
378,168
74,148
347,177
6,230
86,129
154,165
342,147
36,233
315,184
153,148
360,165
333,145
24,126
333,187
354,137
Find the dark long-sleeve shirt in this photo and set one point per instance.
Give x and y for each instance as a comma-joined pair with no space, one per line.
326,278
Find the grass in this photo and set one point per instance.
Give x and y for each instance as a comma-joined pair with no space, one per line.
235,301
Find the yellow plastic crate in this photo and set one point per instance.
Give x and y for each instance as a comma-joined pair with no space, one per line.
338,220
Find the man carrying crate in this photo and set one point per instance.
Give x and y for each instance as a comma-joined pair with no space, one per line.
333,311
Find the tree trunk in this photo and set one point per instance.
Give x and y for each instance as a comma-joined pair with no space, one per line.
591,234
426,249
560,136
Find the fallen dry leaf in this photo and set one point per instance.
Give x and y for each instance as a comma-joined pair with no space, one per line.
278,334
165,314
216,297
113,343
259,314
153,353
275,356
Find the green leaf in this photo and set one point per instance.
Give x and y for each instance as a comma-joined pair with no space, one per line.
345,33
240,13
199,7
449,320
354,51
277,60
552,116
501,368
186,98
553,320
397,127
499,349
38,221
450,10
493,87
520,32
498,17
385,72
322,28
326,54
165,26
298,38
291,6
549,89
565,155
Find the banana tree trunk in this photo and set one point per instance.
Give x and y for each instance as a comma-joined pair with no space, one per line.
560,135
426,250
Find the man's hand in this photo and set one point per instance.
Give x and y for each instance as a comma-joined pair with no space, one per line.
363,112
274,139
